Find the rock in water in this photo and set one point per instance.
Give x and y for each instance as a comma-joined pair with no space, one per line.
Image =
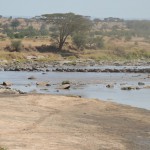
110,86
65,82
141,83
66,86
7,83
130,88
32,78
43,84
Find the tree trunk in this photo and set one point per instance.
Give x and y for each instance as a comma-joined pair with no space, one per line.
61,45
62,41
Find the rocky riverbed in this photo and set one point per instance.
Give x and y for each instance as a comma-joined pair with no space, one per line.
75,66
125,70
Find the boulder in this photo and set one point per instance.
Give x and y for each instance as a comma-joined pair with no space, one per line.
31,78
130,88
147,87
21,92
110,86
141,83
123,83
7,83
44,89
66,86
65,82
43,84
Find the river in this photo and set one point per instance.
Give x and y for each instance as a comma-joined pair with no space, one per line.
88,85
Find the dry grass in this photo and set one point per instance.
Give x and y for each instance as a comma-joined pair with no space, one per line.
26,42
22,56
36,42
30,44
114,49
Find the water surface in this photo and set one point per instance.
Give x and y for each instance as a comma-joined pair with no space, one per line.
88,85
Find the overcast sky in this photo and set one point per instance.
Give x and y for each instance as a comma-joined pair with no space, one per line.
128,9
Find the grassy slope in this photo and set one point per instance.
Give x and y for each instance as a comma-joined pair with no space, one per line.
113,50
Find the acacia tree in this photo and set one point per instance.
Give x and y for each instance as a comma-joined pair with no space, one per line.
15,23
64,25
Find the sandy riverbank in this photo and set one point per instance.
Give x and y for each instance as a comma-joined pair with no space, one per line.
48,122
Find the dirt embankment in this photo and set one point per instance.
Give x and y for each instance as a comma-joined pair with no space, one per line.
46,122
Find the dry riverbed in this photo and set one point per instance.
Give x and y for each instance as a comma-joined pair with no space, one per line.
48,122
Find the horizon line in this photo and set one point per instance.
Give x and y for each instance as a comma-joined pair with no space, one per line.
93,17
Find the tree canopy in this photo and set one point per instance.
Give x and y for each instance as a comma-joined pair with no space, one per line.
15,23
64,25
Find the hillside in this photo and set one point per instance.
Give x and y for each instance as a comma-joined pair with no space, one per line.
116,39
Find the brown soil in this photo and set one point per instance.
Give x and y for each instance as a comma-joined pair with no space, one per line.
46,122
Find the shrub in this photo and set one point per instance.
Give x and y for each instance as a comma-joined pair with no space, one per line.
16,45
15,23
99,42
79,40
118,51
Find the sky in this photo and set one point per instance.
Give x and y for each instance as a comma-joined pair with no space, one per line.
126,9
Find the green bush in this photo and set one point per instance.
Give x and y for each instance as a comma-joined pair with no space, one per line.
27,32
16,45
79,40
99,42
